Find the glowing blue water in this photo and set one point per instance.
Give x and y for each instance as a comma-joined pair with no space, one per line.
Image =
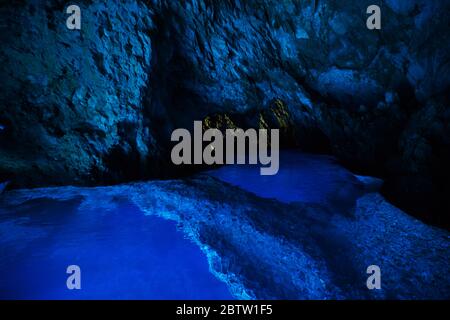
301,178
123,254
126,253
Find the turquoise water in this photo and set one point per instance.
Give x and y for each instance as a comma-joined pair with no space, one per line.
122,253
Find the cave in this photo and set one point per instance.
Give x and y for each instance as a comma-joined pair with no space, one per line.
87,116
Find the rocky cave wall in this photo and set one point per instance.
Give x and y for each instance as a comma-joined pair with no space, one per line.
98,105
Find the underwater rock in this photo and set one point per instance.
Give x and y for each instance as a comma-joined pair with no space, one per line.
77,105
266,249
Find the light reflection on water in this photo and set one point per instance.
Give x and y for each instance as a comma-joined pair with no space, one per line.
301,178
123,254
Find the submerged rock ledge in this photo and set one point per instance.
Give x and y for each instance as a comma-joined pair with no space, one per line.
265,249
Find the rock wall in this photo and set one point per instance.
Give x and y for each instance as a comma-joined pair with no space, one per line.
98,105
72,101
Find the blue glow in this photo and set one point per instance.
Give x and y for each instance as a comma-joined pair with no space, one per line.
125,240
123,254
302,178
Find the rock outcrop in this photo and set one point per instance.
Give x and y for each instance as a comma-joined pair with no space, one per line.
72,101
98,105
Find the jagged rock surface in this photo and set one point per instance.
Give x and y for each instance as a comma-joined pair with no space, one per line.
72,101
265,249
99,105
